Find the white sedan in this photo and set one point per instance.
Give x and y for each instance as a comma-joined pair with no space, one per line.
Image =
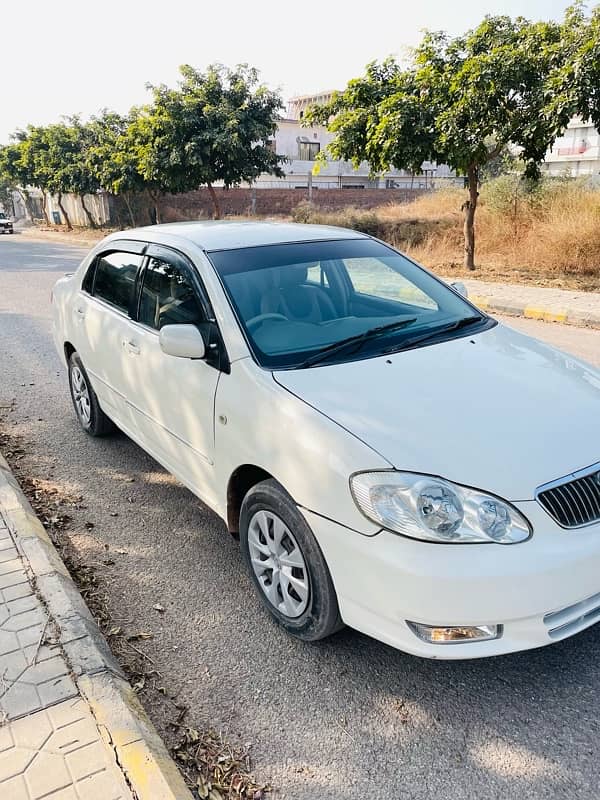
390,457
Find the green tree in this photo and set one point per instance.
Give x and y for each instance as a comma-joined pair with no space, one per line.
576,85
81,178
113,160
16,174
52,152
215,126
460,101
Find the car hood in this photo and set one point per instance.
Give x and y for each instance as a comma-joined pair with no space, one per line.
5,222
498,411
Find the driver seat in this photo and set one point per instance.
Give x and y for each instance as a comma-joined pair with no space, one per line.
295,299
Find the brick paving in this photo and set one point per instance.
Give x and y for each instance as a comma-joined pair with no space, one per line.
50,743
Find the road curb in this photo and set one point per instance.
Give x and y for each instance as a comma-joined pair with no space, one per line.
139,751
565,316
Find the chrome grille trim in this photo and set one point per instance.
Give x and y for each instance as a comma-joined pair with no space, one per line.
573,618
573,501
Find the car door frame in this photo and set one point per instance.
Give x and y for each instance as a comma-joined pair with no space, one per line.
110,396
216,349
201,479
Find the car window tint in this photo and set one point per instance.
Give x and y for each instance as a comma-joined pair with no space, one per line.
372,276
115,279
316,274
168,297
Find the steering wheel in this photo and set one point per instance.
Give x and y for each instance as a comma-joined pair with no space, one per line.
253,323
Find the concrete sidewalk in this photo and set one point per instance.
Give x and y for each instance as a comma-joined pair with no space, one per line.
536,302
71,727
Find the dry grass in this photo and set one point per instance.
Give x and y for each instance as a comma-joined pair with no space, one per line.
550,236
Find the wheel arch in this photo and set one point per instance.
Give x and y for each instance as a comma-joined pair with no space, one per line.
69,349
242,479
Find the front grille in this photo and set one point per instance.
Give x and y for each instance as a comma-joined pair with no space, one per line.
575,502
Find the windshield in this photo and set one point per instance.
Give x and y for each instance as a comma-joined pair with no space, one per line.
296,302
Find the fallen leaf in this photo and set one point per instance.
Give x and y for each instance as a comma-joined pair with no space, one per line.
158,607
141,635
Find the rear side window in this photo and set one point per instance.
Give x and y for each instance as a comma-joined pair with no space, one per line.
168,297
114,281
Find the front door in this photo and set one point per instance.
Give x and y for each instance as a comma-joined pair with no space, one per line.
172,398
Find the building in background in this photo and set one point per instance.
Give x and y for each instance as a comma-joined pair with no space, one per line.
301,146
576,153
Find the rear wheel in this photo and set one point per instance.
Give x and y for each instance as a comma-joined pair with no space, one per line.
286,564
91,417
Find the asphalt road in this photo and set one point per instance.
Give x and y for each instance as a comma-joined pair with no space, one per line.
346,718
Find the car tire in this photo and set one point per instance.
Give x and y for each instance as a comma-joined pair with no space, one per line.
286,564
85,402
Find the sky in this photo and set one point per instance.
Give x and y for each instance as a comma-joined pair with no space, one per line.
77,56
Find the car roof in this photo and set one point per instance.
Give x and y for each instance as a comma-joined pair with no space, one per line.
226,235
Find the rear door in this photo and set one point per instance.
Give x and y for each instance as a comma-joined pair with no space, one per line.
102,313
173,399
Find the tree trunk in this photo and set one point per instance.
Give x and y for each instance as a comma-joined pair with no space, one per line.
45,208
215,201
127,202
24,195
64,213
154,196
469,207
88,213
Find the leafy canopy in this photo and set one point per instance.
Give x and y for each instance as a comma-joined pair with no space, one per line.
460,100
214,127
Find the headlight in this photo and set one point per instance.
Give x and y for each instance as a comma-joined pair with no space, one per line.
436,510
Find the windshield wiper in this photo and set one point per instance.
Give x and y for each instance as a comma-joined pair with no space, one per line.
441,329
358,339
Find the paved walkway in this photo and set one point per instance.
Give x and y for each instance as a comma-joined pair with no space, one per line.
537,302
71,726
50,744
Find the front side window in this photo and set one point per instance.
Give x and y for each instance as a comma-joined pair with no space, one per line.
168,297
298,302
114,279
372,276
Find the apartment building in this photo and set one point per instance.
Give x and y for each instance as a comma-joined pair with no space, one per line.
576,153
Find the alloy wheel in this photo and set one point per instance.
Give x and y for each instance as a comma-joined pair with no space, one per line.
81,395
278,564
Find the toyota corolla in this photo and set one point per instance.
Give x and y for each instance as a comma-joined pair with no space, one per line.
391,457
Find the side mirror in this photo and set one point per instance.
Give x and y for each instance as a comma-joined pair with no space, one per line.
459,287
182,341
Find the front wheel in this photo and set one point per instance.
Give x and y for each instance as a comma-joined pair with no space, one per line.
286,564
91,417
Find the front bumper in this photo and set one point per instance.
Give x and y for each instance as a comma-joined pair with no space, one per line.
540,591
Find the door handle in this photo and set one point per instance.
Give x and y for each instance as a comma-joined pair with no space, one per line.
132,347
80,313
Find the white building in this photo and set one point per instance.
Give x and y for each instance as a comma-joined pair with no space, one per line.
576,153
301,145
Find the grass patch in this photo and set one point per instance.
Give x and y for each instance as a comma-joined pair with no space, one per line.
548,234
